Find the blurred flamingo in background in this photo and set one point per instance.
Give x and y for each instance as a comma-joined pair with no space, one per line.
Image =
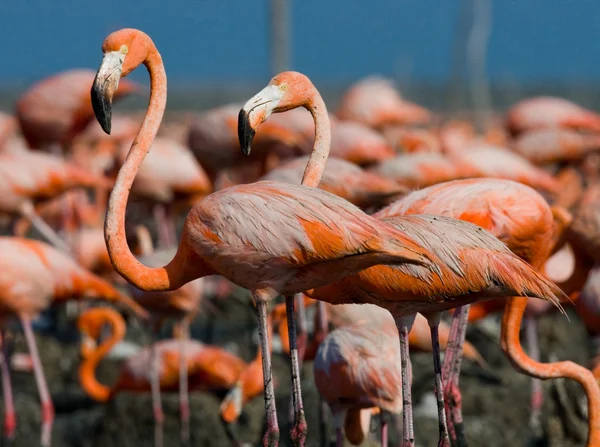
548,111
208,368
375,102
356,368
554,145
344,179
26,177
33,276
54,110
217,239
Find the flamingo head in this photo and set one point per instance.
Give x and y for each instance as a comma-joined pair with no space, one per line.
124,50
288,90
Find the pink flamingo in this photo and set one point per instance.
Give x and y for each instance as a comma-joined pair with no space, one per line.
33,276
310,236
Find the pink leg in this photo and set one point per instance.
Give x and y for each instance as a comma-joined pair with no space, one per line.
44,229
301,340
271,438
46,402
159,416
408,435
184,403
384,429
451,376
434,322
339,437
10,420
537,394
299,429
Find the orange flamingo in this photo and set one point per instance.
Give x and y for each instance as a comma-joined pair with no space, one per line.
497,162
375,102
29,176
522,219
33,276
472,265
549,111
54,110
356,369
342,178
421,169
553,145
285,252
208,368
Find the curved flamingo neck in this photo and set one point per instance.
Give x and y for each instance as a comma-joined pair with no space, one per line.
87,369
511,344
318,157
123,260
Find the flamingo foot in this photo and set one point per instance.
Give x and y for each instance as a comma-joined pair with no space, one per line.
299,430
454,407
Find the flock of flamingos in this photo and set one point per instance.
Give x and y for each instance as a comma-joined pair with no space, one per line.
381,216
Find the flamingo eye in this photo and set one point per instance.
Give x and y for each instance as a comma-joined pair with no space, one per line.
283,87
124,49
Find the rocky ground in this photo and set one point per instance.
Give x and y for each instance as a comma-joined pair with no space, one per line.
496,403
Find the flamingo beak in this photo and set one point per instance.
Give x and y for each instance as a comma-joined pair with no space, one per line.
104,87
255,112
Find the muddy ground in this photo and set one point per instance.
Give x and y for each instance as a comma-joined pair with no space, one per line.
496,404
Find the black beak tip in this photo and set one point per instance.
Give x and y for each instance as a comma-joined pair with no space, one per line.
102,109
245,132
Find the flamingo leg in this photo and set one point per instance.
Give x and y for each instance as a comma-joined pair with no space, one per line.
38,371
302,340
184,402
451,376
537,394
434,323
159,416
339,416
44,229
271,438
404,325
10,420
299,429
384,429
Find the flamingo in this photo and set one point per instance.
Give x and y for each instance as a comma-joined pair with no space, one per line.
309,237
208,368
356,368
33,275
522,219
29,176
472,264
375,102
421,169
553,145
54,110
342,178
550,111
